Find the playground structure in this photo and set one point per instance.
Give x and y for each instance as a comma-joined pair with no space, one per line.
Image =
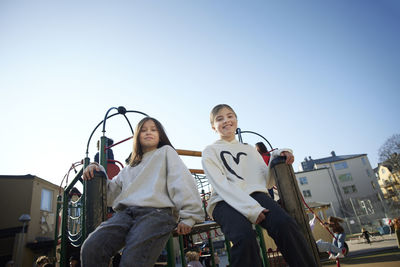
81,214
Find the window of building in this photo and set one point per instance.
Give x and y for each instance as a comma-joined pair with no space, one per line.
373,185
306,193
303,180
383,171
341,165
364,161
349,189
353,187
368,173
345,177
46,201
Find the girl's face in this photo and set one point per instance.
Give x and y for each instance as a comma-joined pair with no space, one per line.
149,136
225,124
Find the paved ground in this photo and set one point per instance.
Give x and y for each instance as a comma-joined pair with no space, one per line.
382,252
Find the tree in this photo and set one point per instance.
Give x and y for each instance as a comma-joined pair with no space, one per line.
389,153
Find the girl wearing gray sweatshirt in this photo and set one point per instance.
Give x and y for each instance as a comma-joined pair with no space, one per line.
151,196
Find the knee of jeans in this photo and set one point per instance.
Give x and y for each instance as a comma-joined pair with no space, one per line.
284,226
90,247
245,236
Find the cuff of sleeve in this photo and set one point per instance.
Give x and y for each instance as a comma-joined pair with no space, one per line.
190,222
278,152
254,214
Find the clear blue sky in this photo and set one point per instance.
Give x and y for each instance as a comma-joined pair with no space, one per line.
314,76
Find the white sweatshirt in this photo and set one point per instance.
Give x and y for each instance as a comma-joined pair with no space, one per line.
236,170
161,180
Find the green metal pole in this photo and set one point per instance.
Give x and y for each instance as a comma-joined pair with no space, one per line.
56,236
204,203
182,249
210,243
83,197
102,152
170,252
262,245
64,238
228,249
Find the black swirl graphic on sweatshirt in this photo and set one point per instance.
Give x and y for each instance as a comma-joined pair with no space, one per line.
235,159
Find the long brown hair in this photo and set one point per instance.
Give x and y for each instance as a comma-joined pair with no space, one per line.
261,148
137,152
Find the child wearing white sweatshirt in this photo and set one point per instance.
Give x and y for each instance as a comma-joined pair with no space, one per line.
149,196
240,181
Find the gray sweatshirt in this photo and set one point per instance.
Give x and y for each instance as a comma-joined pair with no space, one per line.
160,180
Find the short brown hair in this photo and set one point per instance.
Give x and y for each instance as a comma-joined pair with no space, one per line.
217,108
42,260
192,256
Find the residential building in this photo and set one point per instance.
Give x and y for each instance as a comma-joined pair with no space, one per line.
36,197
389,182
348,183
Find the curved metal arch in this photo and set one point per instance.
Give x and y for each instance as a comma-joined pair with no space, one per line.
239,132
120,110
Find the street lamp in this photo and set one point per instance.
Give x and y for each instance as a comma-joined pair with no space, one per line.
24,218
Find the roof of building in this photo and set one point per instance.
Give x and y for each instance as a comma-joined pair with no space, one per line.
27,176
319,169
337,158
308,164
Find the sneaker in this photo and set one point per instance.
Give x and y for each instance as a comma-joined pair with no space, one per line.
339,255
331,256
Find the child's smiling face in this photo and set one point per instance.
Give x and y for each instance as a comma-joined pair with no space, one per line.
225,124
149,136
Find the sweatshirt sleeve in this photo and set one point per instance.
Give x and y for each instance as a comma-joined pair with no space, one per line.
182,189
270,178
228,191
277,152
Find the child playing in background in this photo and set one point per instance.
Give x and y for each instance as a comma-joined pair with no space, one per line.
193,259
366,235
338,231
333,251
149,195
240,178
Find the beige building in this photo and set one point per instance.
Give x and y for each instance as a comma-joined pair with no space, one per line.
389,182
33,196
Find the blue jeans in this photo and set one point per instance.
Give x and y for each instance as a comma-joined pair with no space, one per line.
327,247
339,239
143,232
280,226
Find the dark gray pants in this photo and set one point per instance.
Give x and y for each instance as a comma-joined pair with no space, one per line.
143,231
280,226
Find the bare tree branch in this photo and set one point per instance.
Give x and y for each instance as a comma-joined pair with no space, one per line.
389,152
